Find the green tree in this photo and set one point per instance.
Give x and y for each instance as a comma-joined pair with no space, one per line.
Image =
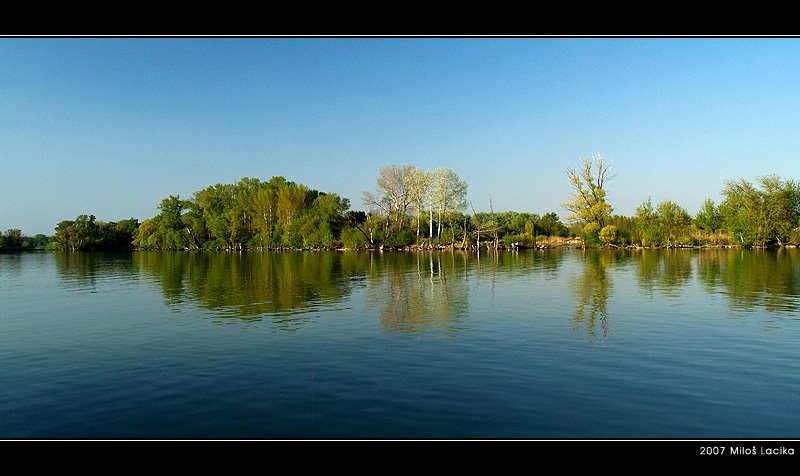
627,231
13,238
648,224
708,217
147,236
761,216
265,209
291,200
75,235
608,234
588,204
116,235
673,222
550,225
173,230
40,240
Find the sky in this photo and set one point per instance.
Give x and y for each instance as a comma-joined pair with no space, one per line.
111,126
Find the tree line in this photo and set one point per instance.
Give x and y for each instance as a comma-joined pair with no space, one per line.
416,208
761,214
13,239
250,214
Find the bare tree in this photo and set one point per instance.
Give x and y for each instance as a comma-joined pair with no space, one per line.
419,185
450,194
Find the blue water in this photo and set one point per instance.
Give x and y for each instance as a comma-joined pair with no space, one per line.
529,344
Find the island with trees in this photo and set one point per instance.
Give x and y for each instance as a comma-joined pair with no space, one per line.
412,208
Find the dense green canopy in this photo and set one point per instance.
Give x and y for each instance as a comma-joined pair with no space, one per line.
247,214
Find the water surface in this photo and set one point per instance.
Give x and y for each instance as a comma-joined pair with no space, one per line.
529,344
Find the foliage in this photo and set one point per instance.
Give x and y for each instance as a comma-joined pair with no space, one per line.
666,225
249,214
280,214
608,234
759,216
86,233
75,235
13,239
439,193
588,204
673,222
627,232
708,218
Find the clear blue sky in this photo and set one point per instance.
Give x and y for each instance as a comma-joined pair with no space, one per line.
110,126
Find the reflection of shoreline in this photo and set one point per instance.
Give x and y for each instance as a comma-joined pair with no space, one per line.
285,287
667,271
750,279
753,279
419,291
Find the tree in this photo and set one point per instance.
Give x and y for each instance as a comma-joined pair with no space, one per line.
398,188
674,221
246,215
265,209
708,217
116,235
648,224
393,196
173,230
608,234
13,238
588,204
550,225
759,217
419,184
667,224
291,200
75,235
449,194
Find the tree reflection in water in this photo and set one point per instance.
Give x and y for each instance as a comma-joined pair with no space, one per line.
592,289
85,270
250,286
666,271
412,292
419,291
752,279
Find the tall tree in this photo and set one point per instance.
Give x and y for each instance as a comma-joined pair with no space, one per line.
265,208
394,194
391,200
674,221
173,230
13,238
647,223
419,184
708,217
75,235
588,204
450,195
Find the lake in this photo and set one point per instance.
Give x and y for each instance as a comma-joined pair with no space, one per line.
318,345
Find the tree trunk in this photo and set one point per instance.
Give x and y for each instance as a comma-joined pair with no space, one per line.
431,223
418,217
439,231
464,241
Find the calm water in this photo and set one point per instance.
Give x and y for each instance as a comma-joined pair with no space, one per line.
555,344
